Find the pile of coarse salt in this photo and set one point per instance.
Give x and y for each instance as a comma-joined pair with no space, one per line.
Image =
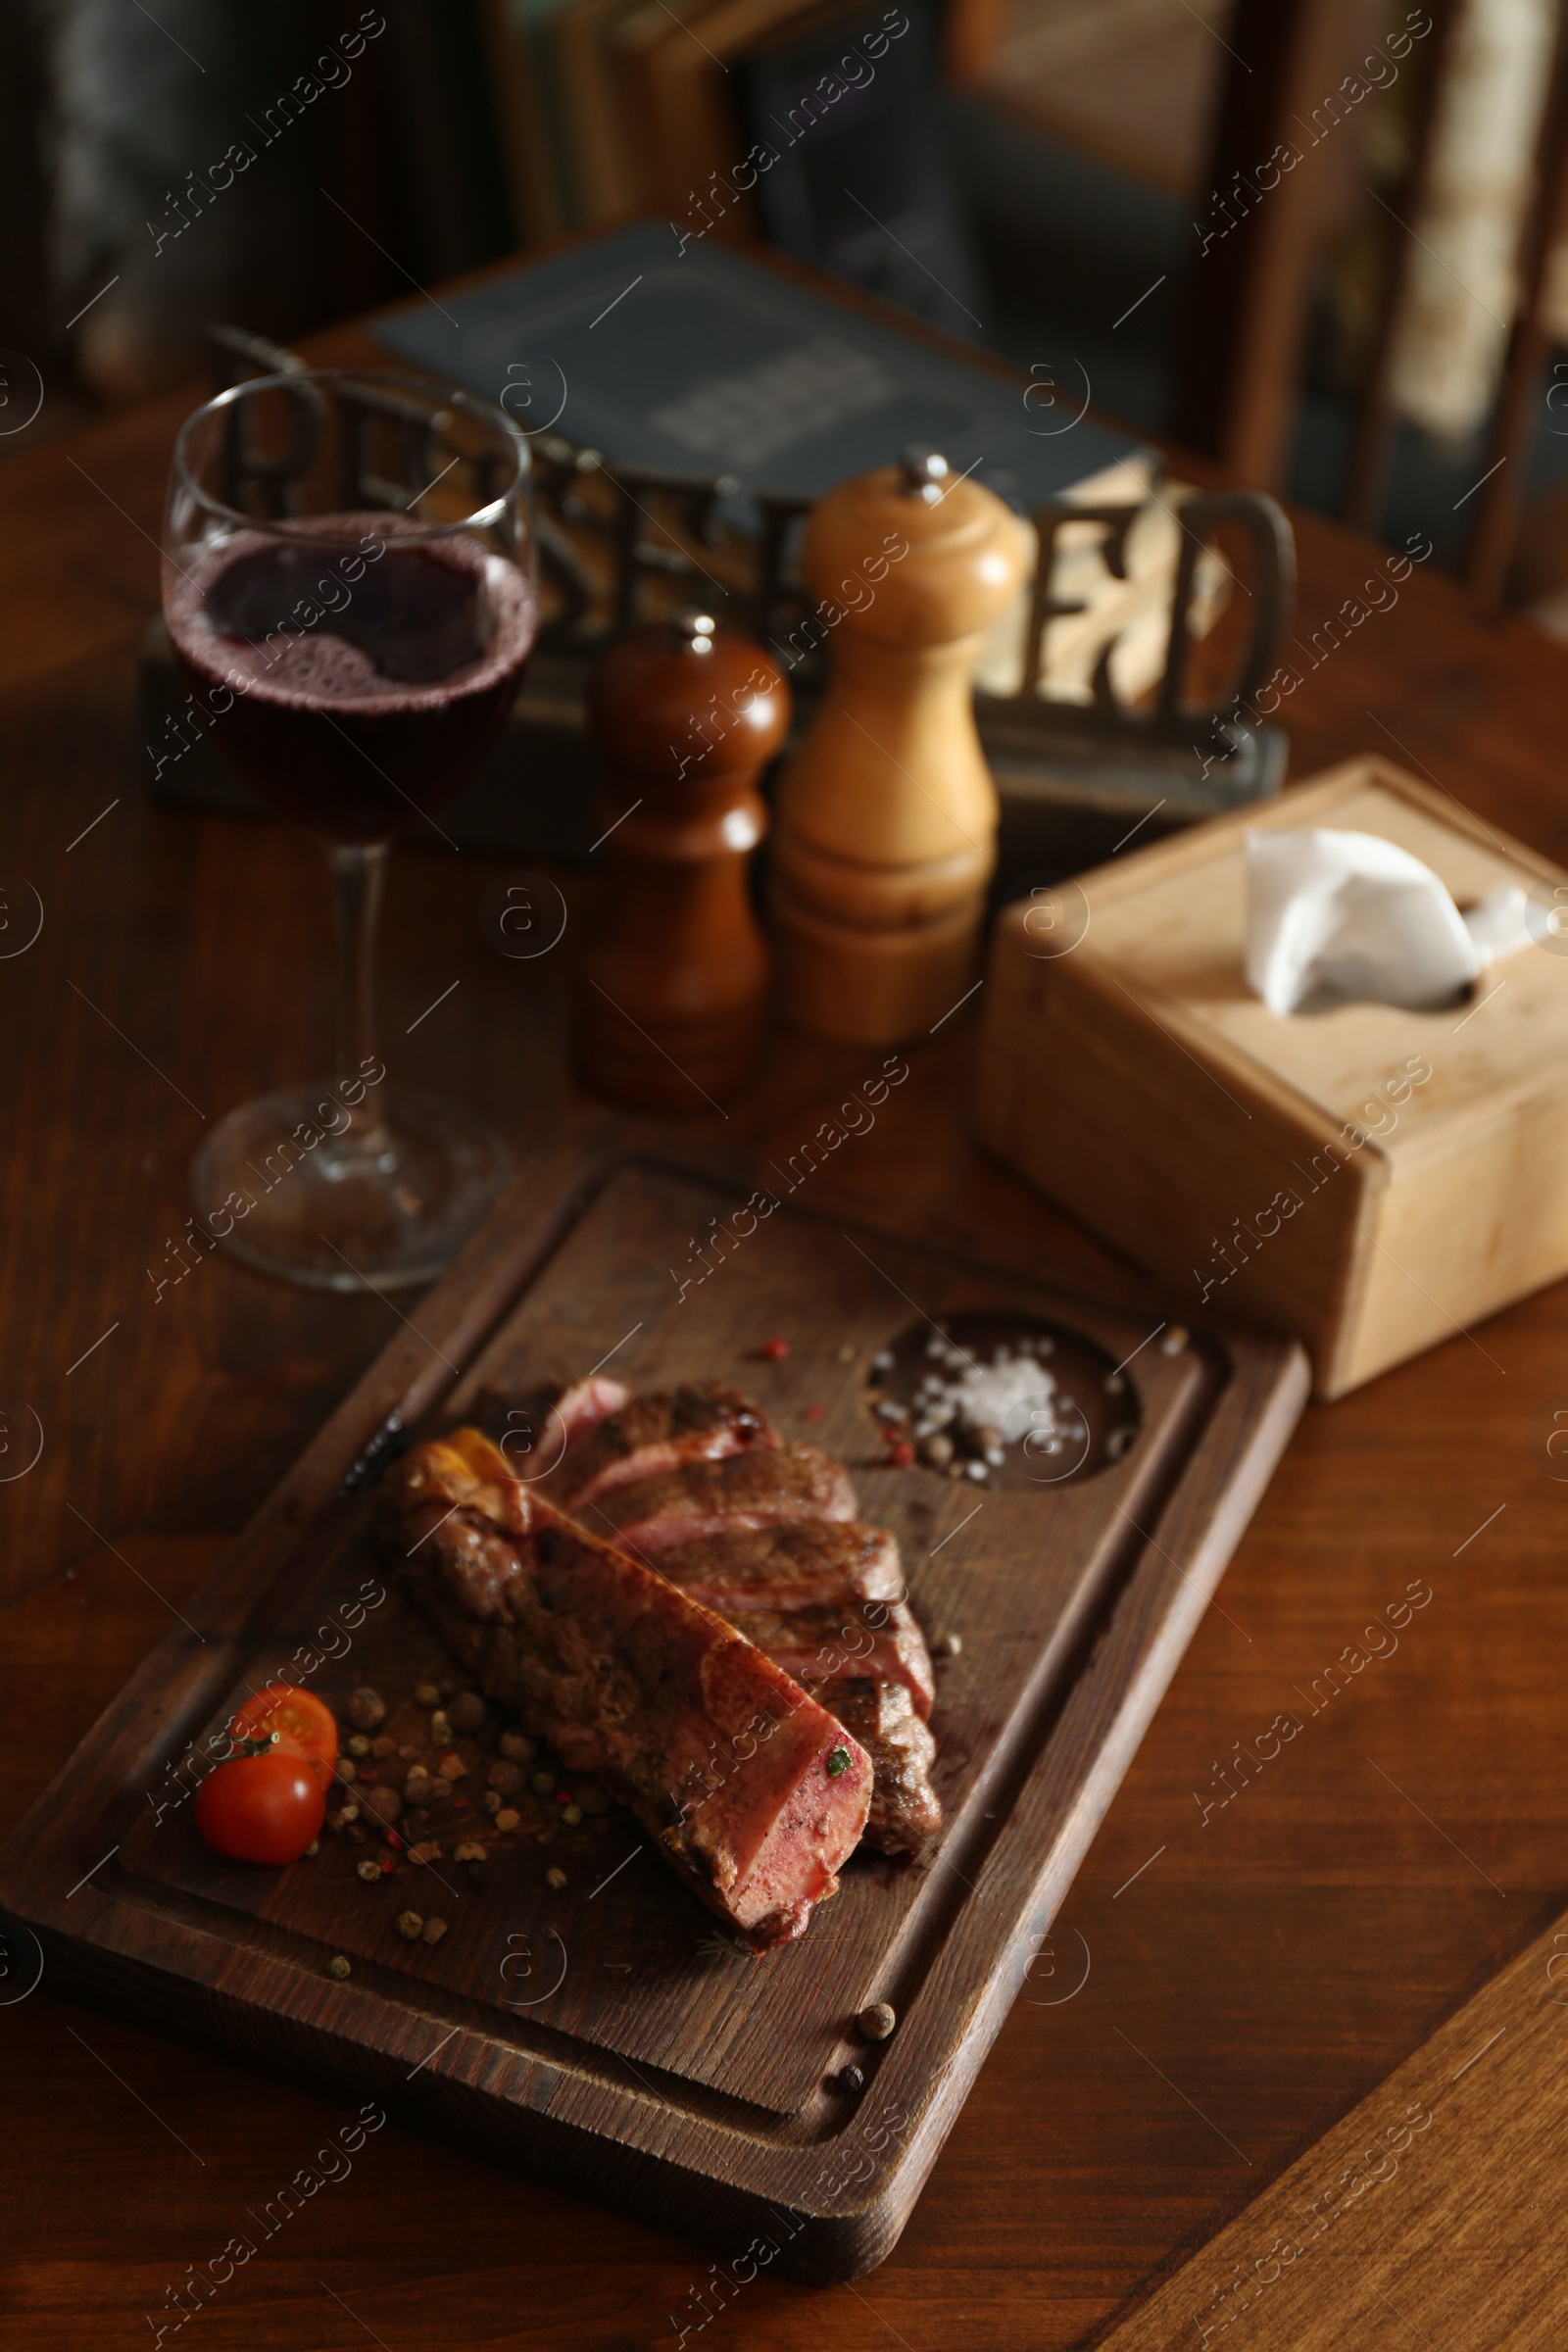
987,1406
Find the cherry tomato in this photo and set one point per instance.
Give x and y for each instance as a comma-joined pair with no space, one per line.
263,1808
303,1726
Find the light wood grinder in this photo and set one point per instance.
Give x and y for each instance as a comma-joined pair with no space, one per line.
671,986
885,834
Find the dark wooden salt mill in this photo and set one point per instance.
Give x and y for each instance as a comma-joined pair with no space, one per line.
672,980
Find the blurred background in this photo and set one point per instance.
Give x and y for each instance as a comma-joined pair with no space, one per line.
1321,240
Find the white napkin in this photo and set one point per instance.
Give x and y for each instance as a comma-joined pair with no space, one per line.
1354,913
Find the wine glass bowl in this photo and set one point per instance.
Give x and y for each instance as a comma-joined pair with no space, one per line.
349,591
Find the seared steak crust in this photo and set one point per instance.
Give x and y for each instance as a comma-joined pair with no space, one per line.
581,1440
711,1498
788,1564
537,1430
752,1788
905,1810
659,1432
881,1642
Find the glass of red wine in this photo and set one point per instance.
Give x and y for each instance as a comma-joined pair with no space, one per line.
348,589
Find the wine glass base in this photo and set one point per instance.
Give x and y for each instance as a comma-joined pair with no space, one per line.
387,1205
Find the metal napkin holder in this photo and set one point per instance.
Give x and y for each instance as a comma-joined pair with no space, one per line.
620,545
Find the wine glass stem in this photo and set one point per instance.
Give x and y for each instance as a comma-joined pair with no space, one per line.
357,874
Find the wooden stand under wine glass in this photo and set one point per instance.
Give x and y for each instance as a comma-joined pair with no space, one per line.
886,815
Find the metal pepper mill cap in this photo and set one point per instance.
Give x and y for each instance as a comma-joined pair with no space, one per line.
694,630
925,473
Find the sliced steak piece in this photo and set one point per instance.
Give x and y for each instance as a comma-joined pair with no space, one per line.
540,1428
881,1642
905,1810
659,1432
587,1403
791,1565
712,1499
753,1790
575,1443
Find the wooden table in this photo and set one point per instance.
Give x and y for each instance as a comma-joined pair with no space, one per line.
1249,1978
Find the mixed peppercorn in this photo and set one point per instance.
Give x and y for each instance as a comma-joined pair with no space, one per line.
441,1777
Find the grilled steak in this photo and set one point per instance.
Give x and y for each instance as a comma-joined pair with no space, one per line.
661,1432
585,1404
584,1440
711,1498
793,1564
540,1431
752,1788
880,1644
694,1481
905,1810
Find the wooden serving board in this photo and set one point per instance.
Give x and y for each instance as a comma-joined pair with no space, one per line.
600,2032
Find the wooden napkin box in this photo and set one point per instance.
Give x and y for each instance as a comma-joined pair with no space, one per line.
1372,1180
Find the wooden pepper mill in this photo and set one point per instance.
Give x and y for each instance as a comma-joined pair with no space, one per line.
885,835
672,982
